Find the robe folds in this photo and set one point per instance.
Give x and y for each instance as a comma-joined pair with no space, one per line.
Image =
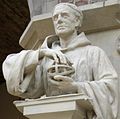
26,75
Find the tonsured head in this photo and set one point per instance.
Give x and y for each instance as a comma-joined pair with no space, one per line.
66,18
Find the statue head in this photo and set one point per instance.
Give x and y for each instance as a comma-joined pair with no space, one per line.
67,18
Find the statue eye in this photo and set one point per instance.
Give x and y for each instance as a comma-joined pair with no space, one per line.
65,15
55,17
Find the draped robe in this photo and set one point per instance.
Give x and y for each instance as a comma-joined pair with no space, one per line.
26,75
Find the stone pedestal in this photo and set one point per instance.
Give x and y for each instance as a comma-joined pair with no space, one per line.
71,106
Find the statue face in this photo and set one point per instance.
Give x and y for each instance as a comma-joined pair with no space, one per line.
64,20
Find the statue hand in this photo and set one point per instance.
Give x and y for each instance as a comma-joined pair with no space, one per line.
58,56
65,84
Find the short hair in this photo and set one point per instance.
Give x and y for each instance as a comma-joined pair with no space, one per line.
77,12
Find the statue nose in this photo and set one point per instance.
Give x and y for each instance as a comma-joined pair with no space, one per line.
60,19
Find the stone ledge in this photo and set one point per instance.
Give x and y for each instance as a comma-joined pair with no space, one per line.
95,20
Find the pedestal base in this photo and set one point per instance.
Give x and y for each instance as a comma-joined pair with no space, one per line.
72,106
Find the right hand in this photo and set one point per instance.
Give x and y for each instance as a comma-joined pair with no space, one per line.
56,55
65,84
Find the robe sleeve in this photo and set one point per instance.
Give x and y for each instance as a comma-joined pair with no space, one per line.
23,75
104,88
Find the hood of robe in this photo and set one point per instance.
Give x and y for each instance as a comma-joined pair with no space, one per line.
53,41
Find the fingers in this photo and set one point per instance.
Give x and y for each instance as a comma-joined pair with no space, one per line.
53,82
61,57
63,78
58,56
51,54
55,58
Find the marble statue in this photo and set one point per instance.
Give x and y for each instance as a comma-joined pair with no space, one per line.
118,44
65,63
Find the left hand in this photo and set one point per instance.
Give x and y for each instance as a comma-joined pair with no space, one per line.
65,84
